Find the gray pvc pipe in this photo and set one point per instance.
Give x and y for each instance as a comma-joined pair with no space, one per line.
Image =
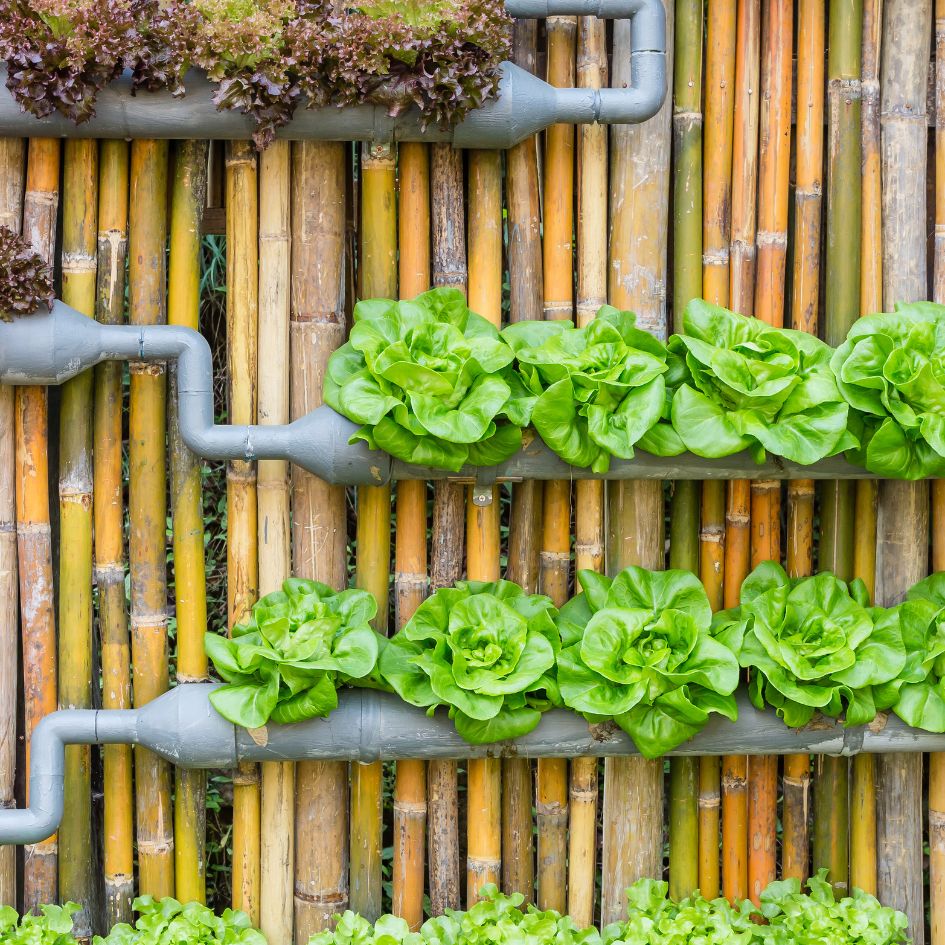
51,347
182,727
525,105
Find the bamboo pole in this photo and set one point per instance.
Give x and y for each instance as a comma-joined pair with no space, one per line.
484,775
448,249
319,529
148,509
687,285
591,232
79,231
410,578
12,154
639,194
903,518
378,274
108,509
188,198
277,778
526,298
863,786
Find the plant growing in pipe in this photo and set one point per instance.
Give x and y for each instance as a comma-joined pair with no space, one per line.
637,649
286,661
594,392
25,279
429,380
486,650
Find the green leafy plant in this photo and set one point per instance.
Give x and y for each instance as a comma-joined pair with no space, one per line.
167,922
637,649
53,926
428,379
813,644
486,650
749,386
594,392
287,659
25,279
891,370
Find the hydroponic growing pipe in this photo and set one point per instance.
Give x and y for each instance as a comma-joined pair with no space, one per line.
52,347
525,105
184,728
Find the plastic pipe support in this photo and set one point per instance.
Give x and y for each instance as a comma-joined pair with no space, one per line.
525,105
182,727
51,347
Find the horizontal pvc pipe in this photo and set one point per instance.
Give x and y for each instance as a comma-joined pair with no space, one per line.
182,727
525,104
52,347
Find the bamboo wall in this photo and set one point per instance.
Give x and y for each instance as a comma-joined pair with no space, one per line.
791,175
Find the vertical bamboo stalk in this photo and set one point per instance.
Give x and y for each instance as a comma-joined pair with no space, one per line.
148,508
903,518
12,153
188,198
79,231
484,775
319,530
108,509
591,232
639,195
277,801
378,273
447,540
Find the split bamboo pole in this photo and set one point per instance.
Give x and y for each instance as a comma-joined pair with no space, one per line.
903,518
863,780
639,197
591,231
277,778
242,557
743,250
79,232
188,199
410,577
448,250
558,226
526,301
484,775
718,139
378,276
12,154
319,527
687,285
148,508
108,522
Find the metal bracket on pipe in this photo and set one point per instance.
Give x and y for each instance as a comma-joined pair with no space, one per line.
525,104
182,727
51,347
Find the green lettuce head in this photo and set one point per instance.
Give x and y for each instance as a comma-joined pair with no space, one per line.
891,370
813,644
53,926
287,659
486,650
594,392
750,386
429,380
637,649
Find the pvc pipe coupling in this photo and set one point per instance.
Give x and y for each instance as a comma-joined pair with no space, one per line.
525,105
183,728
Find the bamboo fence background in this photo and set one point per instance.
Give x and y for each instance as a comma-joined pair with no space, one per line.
795,173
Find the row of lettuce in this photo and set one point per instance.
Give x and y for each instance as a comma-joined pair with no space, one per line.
266,58
786,916
642,649
434,384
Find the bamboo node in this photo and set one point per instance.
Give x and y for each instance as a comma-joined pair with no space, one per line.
147,368
777,238
148,621
551,809
246,776
410,807
734,783
736,519
592,549
709,801
160,847
33,528
712,533
78,263
189,678
716,257
482,865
